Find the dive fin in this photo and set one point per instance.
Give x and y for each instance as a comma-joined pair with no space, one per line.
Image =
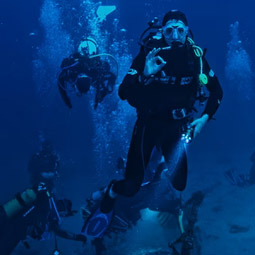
97,224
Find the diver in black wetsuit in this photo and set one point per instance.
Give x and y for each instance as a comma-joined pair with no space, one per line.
36,212
84,69
163,85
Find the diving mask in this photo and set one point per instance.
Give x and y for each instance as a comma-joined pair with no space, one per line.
175,31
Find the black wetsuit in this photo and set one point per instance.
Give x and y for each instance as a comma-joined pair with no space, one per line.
81,72
174,87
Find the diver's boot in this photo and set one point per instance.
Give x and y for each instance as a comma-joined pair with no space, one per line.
108,200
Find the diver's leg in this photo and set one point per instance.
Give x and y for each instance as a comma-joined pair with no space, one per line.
174,151
138,157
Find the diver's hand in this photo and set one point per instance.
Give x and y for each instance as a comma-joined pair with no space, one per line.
153,63
199,123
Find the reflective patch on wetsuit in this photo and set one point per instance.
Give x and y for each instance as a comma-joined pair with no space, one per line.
172,80
132,71
186,80
166,80
211,73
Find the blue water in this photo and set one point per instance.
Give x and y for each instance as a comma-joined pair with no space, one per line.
37,35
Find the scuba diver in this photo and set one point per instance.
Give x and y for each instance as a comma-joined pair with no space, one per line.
85,69
165,80
35,212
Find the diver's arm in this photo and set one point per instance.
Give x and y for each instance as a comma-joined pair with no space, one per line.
215,92
131,88
62,90
68,65
69,235
213,102
107,78
105,84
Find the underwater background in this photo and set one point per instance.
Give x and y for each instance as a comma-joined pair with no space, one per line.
37,35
